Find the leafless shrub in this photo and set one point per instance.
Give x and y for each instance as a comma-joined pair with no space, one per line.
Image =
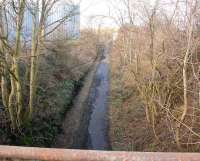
161,54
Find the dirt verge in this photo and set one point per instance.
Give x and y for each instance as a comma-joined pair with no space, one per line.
75,125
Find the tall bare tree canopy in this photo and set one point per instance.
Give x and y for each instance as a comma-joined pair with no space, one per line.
12,49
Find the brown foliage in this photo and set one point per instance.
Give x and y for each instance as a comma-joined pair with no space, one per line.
151,60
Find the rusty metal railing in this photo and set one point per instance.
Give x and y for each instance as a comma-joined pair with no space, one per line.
46,154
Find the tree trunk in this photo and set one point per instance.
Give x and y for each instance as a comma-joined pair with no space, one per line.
185,79
15,61
33,69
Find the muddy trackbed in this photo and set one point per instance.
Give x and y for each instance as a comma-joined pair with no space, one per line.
86,125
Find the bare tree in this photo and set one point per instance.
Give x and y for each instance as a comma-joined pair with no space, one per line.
190,27
12,93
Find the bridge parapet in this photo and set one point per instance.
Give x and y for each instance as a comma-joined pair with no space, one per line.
45,154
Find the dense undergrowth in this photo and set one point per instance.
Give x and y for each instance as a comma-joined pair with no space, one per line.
42,130
62,68
155,83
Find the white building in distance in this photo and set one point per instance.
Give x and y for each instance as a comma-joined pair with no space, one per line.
69,17
63,22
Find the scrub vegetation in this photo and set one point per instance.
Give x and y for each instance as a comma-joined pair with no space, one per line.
154,98
39,78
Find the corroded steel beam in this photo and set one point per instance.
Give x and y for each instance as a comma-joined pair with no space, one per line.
45,154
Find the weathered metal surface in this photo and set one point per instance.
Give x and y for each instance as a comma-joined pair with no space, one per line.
86,155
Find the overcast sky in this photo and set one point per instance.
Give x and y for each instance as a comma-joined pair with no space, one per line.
97,8
91,8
